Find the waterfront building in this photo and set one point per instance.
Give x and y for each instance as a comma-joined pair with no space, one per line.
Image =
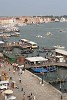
56,20
62,19
7,20
47,19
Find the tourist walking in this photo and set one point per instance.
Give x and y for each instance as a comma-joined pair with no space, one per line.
19,80
61,97
24,97
31,97
34,98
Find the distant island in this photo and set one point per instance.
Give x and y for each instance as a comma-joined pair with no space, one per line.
23,20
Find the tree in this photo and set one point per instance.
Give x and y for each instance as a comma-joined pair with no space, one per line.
26,20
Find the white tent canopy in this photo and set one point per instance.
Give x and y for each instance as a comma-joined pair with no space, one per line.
1,42
34,59
64,52
21,66
12,98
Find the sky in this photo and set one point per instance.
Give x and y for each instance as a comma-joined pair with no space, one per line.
33,7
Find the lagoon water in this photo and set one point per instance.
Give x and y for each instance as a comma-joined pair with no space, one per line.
37,33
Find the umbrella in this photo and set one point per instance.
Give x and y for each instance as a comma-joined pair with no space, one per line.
12,98
8,91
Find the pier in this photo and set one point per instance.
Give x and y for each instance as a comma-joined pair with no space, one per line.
7,35
10,46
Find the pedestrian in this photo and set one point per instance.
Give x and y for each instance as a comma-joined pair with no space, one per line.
31,97
14,72
24,97
9,70
61,97
34,98
21,89
19,80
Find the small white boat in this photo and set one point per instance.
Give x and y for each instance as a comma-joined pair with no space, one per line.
40,36
59,47
17,33
49,33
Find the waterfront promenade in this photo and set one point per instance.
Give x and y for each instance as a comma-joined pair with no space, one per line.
31,84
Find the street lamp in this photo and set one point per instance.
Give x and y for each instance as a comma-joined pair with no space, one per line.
42,77
60,85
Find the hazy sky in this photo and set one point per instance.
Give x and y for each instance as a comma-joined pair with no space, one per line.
32,7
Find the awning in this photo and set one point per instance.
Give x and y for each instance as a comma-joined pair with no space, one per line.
34,59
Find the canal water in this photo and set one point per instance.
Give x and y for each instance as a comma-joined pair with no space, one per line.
53,77
38,33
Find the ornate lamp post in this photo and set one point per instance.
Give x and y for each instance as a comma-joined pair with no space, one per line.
42,76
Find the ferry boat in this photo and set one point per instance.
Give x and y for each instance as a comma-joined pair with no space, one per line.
31,43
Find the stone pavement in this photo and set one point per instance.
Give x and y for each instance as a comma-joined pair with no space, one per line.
31,84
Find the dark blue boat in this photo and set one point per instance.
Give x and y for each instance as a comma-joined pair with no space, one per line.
39,70
51,69
45,70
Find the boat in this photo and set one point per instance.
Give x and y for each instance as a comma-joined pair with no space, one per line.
40,36
45,70
61,31
51,69
39,70
49,33
15,34
59,47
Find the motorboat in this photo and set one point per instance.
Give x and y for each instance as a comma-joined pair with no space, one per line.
59,47
49,33
40,36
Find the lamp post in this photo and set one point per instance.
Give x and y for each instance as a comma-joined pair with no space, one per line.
42,77
60,85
